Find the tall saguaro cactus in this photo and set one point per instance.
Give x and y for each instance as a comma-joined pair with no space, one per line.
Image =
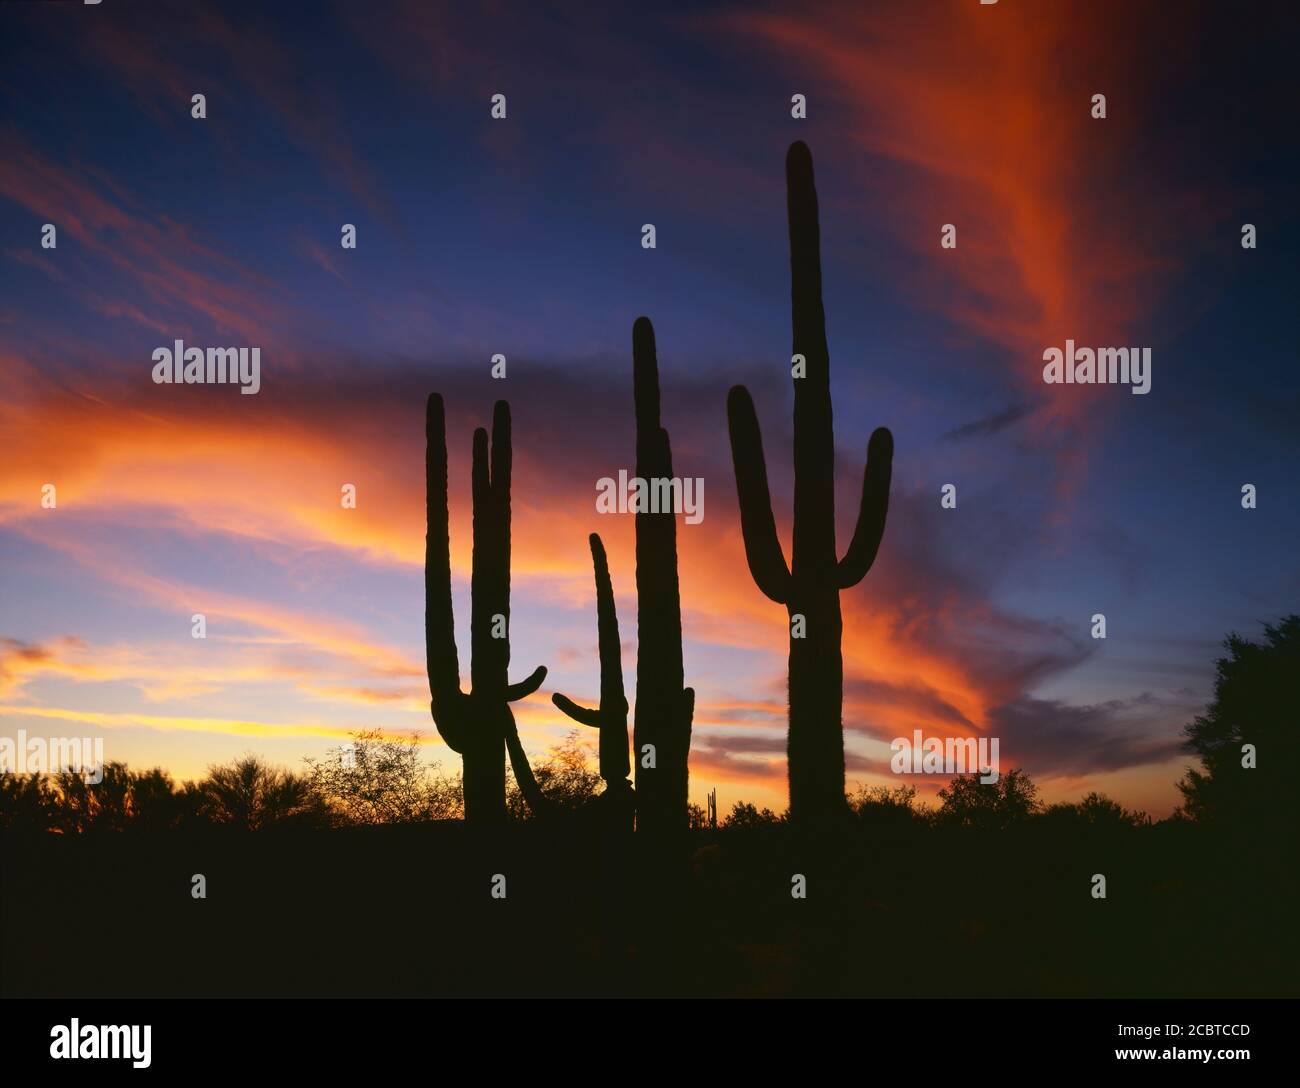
478,724
810,587
664,708
661,731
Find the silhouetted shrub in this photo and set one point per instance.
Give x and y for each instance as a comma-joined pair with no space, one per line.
564,777
969,802
374,780
249,795
26,802
1095,810
881,806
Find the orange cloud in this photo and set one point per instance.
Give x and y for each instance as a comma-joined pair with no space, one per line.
995,135
979,116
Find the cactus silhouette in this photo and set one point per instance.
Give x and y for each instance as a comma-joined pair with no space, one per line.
479,724
810,587
664,709
610,717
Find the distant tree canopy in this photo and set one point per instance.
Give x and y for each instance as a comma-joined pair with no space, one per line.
66,802
1247,740
1257,704
744,816
1095,810
375,780
969,802
382,781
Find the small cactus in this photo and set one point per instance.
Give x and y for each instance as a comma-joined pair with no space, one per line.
610,717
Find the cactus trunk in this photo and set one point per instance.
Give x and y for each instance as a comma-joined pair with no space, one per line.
815,741
664,709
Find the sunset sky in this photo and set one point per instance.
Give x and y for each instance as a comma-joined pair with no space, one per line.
522,237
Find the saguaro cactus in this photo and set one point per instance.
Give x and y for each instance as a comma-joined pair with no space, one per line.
478,724
611,716
661,731
810,587
664,709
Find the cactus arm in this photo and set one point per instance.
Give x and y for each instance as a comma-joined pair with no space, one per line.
612,695
580,714
448,702
525,687
872,511
610,656
757,524
524,777
441,658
